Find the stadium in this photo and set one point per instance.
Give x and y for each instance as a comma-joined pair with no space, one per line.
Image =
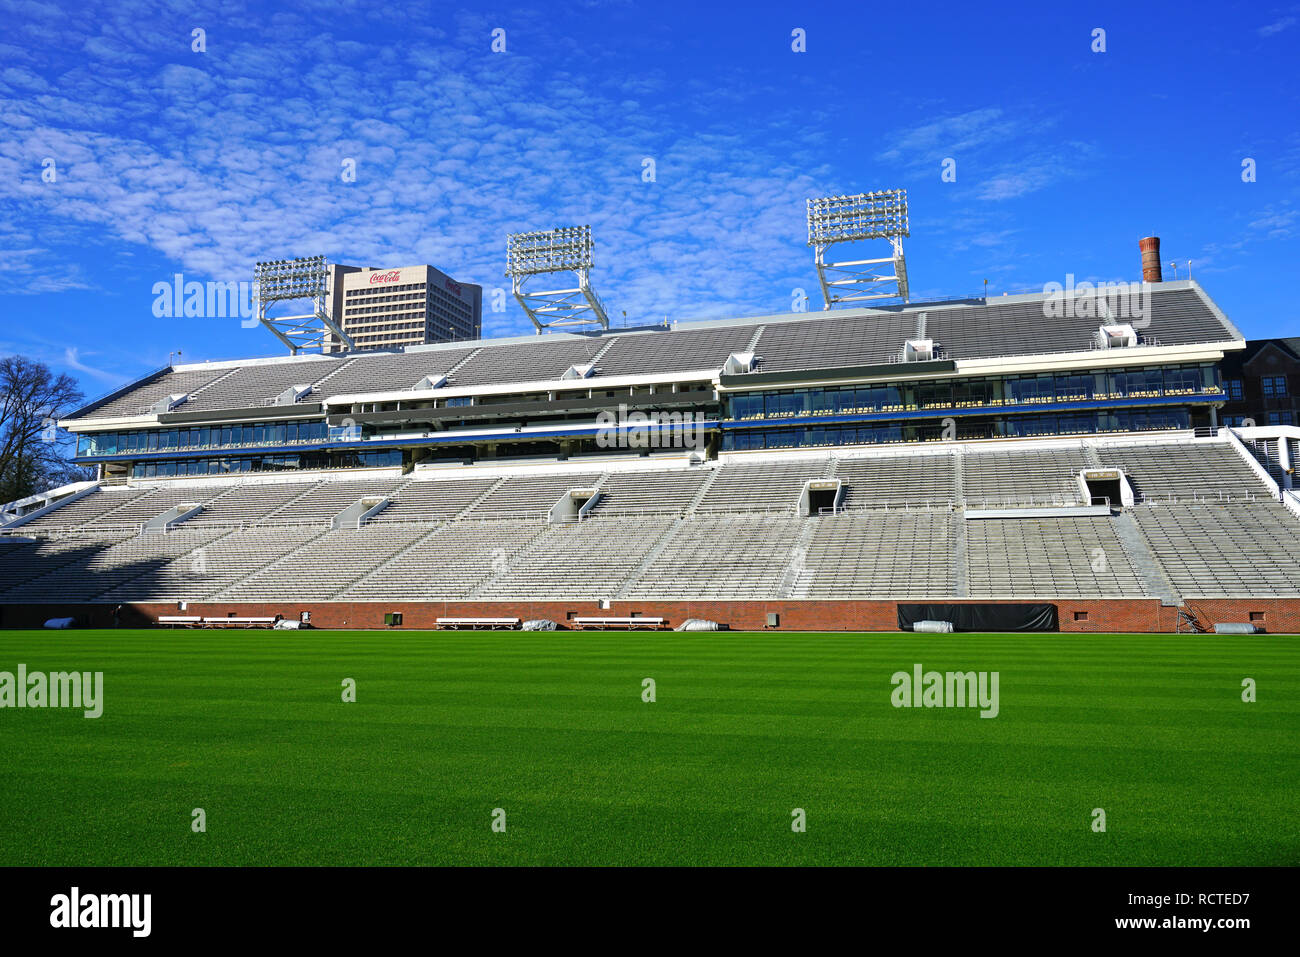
788,490
1049,461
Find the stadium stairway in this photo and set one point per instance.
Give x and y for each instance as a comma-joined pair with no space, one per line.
1152,575
705,486
960,562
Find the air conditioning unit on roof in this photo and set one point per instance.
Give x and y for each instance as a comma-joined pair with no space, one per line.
295,393
739,362
169,402
918,350
1117,336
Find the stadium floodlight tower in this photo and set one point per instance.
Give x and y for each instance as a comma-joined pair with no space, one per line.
286,280
860,218
563,250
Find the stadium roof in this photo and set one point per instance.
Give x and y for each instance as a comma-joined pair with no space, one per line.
1180,313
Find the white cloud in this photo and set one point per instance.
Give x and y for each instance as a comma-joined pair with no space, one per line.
215,160
1277,26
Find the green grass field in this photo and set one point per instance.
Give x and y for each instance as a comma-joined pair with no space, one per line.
250,726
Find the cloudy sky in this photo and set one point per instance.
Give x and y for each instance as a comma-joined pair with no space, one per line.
142,140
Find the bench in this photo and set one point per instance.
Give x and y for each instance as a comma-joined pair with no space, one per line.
629,623
236,621
179,621
455,623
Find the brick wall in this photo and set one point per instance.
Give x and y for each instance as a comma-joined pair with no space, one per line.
1113,615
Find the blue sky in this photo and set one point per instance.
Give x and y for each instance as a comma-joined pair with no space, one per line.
169,160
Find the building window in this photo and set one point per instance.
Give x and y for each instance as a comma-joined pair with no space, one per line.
1256,616
1274,385
1234,389
1281,418
1080,616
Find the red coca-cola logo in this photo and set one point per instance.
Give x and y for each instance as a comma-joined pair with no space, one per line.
385,276
453,286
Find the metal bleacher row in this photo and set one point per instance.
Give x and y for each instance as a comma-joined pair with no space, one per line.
727,530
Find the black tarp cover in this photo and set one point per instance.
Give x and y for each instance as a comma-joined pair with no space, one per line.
978,617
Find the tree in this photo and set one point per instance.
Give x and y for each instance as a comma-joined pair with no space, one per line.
34,452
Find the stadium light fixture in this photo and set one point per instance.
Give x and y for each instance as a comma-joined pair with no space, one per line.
567,249
286,280
861,217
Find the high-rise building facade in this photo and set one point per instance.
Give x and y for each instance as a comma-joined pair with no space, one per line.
404,306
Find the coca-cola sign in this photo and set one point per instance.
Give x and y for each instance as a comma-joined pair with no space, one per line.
393,276
453,287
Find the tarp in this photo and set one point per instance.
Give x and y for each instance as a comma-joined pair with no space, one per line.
982,617
697,624
935,627
1235,628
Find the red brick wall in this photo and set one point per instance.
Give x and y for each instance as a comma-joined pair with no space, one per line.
1110,615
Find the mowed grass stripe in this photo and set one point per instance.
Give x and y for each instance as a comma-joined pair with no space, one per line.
746,727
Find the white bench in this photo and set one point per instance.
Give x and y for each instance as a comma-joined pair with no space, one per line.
454,623
240,622
174,621
630,623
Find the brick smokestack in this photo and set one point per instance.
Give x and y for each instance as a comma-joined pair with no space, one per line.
1151,259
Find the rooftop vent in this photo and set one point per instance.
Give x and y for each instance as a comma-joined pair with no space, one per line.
295,393
918,350
584,371
739,362
430,382
167,403
1117,336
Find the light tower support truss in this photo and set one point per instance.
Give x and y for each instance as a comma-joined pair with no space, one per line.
288,280
863,217
566,250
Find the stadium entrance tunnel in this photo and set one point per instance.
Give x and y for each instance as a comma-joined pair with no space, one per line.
573,506
1106,487
820,497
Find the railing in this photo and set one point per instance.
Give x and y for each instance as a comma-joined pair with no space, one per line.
223,447
938,505
79,530
990,404
1201,498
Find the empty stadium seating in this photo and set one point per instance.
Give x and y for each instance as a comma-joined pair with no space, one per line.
878,554
728,529
1078,557
771,487
632,493
523,495
1185,473
1001,479
720,557
1218,551
894,480
971,329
